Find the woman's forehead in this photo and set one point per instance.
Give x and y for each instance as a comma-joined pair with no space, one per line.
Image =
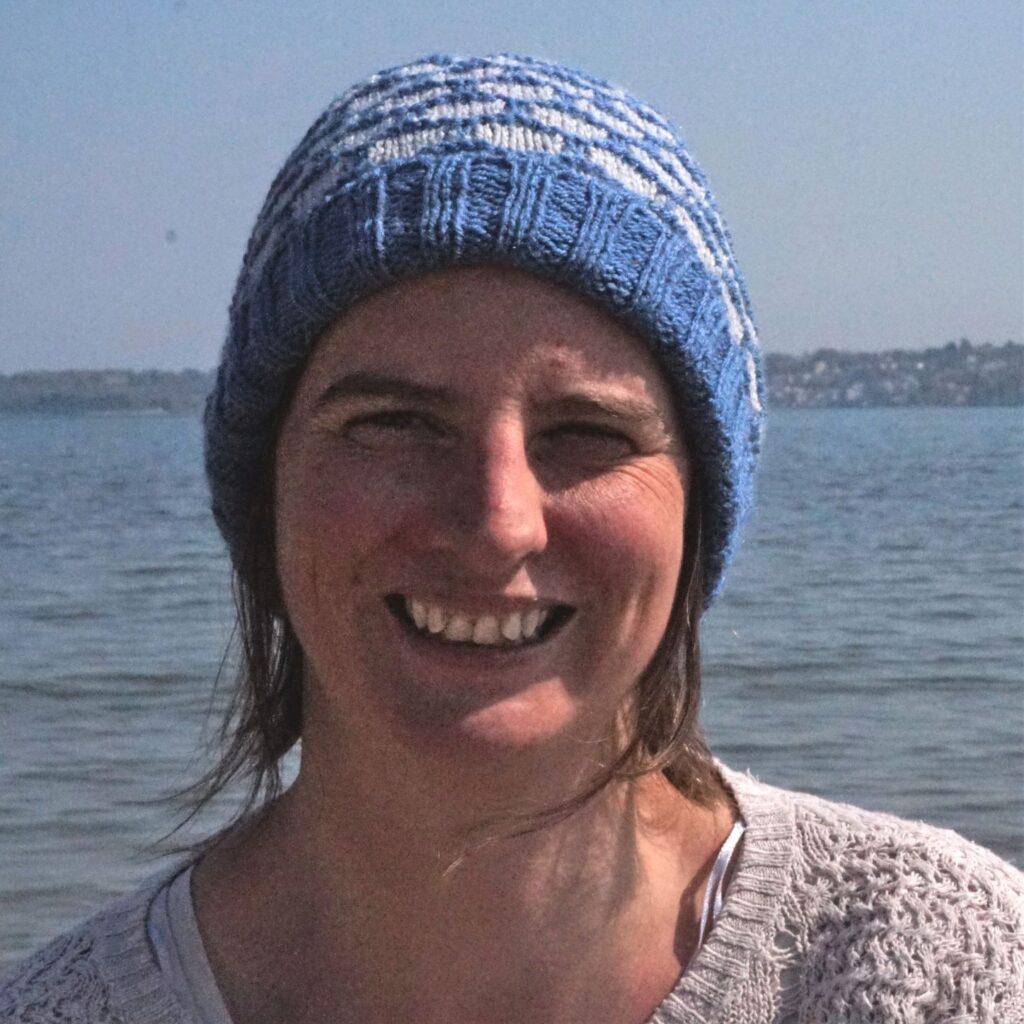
486,322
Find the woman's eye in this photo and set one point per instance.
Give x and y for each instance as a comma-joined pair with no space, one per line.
391,425
589,440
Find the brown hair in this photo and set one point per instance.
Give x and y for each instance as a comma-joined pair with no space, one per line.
263,720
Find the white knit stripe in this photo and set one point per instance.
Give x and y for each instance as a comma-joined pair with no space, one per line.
623,173
755,398
607,94
603,117
518,137
675,188
405,145
381,149
440,75
716,237
387,103
406,101
564,88
741,306
644,121
495,85
707,257
351,141
379,132
713,244
460,111
474,74
369,97
567,124
718,233
667,157
561,85
641,185
302,203
713,239
422,67
515,91
735,322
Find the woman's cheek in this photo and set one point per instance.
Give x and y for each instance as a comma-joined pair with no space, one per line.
357,491
630,520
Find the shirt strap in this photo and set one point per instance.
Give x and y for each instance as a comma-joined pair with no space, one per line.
713,892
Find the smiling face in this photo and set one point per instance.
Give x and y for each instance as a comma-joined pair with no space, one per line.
480,502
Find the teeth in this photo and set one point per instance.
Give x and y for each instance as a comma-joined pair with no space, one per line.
486,630
512,626
436,619
418,611
531,620
458,628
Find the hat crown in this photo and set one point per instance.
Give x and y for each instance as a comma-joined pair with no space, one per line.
512,103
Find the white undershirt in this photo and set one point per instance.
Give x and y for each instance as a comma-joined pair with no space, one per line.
174,934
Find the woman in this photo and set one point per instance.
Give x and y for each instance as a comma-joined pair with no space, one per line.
480,444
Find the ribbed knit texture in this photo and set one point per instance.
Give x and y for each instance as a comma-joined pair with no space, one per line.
834,915
509,161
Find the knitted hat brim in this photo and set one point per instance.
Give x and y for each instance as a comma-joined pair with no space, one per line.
540,213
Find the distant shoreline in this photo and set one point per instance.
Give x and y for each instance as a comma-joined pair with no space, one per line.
958,374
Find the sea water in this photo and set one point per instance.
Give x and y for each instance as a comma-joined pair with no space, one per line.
867,647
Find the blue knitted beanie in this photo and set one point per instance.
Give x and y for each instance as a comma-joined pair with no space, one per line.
498,160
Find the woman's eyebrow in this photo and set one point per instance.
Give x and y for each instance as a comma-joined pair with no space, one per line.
373,384
368,383
632,409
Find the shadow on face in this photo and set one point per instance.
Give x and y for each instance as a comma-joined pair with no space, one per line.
481,486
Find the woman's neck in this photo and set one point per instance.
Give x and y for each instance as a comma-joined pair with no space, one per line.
406,909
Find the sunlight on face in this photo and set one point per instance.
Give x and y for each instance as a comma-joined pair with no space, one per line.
480,506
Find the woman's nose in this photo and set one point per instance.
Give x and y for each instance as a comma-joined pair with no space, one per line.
495,513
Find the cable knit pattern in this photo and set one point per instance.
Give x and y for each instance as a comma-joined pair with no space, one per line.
834,915
60,983
838,914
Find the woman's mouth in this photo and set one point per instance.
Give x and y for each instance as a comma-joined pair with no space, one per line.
499,628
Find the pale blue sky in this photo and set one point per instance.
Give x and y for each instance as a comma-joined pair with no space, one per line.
868,156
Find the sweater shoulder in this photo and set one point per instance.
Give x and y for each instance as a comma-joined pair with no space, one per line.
932,919
100,972
882,851
899,855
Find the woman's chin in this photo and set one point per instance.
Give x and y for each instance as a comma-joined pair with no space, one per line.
470,722
517,723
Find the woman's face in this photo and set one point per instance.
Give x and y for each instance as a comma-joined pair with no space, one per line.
480,500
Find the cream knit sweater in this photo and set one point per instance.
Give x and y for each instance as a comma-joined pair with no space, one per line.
834,915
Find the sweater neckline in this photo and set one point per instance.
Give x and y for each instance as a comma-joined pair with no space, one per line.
748,919
127,963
